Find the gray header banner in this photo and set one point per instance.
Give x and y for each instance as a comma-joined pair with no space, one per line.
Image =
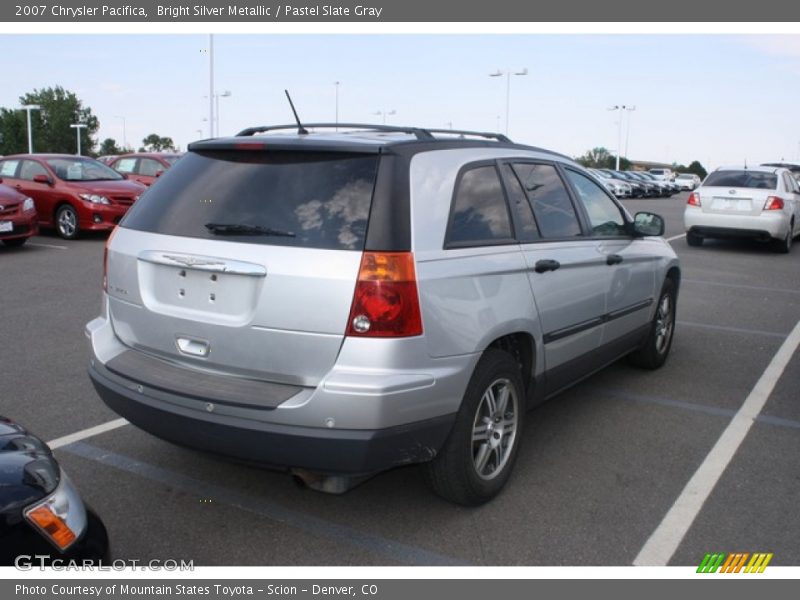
732,588
389,11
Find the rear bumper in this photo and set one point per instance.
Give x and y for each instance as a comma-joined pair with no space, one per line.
331,451
763,226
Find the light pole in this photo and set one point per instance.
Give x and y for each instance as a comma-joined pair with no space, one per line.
225,94
385,114
620,108
508,73
336,85
77,127
630,109
211,85
28,108
124,135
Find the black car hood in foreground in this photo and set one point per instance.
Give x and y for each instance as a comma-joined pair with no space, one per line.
28,472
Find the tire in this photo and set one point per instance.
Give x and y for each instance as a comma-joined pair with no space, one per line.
476,461
653,353
67,222
784,246
15,243
693,239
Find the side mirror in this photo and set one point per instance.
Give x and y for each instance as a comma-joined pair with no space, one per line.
42,179
1,180
645,223
124,175
159,173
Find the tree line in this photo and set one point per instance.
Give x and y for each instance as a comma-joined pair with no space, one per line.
50,125
601,158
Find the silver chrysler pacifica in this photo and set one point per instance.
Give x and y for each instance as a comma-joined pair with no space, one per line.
340,302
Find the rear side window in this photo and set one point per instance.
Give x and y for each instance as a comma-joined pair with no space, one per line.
8,168
742,179
480,214
549,199
308,199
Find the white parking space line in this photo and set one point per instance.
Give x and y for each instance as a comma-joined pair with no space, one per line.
675,237
53,246
86,433
658,550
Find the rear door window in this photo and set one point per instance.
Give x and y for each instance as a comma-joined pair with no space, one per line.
549,199
527,230
309,199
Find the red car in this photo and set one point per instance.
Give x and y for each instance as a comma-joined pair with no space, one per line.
144,167
72,193
18,219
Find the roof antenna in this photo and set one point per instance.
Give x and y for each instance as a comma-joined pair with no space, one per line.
300,129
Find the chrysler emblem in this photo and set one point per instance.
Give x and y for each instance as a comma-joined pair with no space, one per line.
731,191
190,261
2,207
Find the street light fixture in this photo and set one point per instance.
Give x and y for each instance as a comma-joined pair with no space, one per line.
620,108
77,127
211,85
508,73
28,108
385,114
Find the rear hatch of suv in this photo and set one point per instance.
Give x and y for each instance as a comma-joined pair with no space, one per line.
737,192
242,260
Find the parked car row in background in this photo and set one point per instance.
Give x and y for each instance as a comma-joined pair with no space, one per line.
636,184
71,193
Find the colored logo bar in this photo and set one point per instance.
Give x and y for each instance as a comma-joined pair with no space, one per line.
735,563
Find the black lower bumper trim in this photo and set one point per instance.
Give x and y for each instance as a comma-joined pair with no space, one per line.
730,233
330,451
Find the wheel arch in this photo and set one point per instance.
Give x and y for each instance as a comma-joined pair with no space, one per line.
522,348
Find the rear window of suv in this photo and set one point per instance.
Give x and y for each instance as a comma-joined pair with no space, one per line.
309,199
742,179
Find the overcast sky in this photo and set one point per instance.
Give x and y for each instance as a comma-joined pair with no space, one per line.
718,98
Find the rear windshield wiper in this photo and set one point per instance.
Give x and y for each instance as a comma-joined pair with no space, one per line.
242,229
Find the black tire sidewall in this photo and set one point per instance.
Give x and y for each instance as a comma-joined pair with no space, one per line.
494,364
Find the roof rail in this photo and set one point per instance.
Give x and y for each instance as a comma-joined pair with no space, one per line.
463,132
416,131
421,133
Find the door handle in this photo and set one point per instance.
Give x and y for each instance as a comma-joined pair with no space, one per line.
613,259
546,265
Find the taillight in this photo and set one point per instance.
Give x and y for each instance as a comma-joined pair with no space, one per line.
105,259
773,203
694,199
386,301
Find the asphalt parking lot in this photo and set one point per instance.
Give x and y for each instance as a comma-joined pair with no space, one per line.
599,469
